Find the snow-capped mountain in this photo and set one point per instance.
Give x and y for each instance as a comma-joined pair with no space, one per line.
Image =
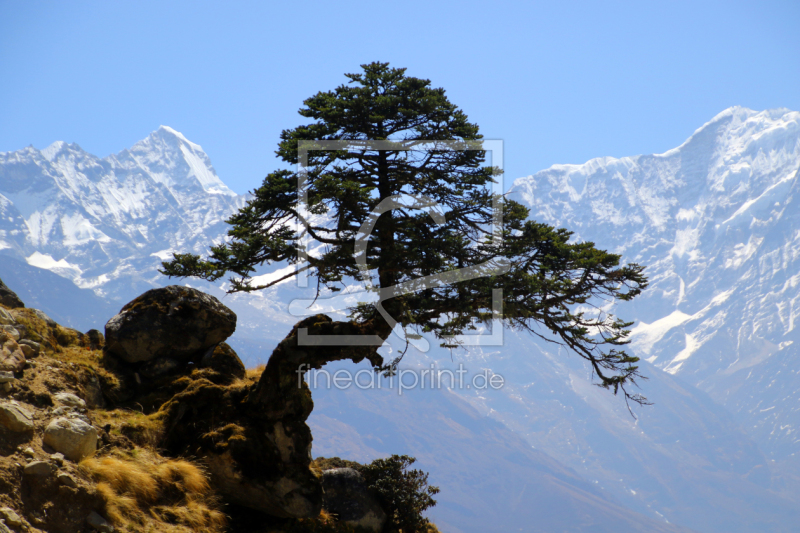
717,222
107,223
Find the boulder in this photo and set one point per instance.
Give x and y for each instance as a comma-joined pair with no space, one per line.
35,346
347,496
71,436
70,400
175,321
41,315
16,418
223,359
11,331
94,339
8,297
11,356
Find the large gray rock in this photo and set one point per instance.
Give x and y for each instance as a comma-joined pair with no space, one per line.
71,436
15,418
175,321
8,297
346,495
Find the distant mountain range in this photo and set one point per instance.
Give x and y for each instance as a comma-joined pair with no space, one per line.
717,222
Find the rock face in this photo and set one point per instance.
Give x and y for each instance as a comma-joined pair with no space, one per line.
254,439
347,496
71,436
175,321
8,297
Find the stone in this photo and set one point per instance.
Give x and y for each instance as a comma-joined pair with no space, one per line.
178,322
33,345
38,469
6,376
70,400
347,496
41,315
94,393
64,410
4,528
67,480
27,351
71,436
11,357
8,297
6,318
5,387
12,332
29,452
16,418
221,358
57,458
99,523
11,517
94,339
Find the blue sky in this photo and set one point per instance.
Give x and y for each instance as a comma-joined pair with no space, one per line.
558,83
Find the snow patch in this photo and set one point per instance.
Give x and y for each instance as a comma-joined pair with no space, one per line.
644,335
47,262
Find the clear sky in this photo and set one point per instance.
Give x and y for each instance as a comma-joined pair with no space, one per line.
559,82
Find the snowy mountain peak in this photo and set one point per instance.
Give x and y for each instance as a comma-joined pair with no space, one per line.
717,223
78,215
176,162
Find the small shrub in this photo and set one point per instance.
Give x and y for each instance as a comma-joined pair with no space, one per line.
403,494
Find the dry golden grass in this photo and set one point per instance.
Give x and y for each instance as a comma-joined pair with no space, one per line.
253,374
143,430
146,492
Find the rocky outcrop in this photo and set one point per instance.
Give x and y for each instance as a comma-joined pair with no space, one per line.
8,297
347,496
255,439
175,321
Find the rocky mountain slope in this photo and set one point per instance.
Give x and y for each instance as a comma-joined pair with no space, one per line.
156,426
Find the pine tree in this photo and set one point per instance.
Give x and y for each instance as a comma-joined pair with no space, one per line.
409,167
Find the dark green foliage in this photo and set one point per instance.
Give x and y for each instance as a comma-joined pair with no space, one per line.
403,494
545,278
